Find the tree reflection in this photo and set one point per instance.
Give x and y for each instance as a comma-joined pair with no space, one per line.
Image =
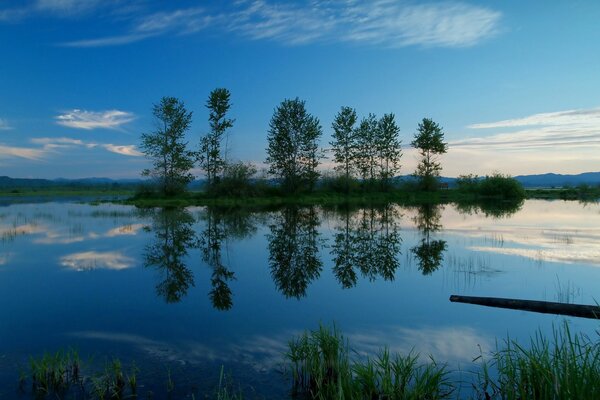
219,225
490,207
429,253
369,241
173,237
293,250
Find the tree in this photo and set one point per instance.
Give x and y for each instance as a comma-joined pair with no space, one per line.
167,148
344,142
292,153
429,140
366,159
211,159
389,148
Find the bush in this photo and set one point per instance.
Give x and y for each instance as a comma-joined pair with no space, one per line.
501,186
236,181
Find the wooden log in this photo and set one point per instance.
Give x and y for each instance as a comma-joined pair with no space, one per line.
547,307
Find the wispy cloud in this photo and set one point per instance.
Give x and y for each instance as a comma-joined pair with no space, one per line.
50,144
376,22
567,129
54,8
565,141
81,119
4,126
21,152
183,21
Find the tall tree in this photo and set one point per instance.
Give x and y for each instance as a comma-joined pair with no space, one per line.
389,148
429,140
166,146
212,160
366,136
344,142
292,153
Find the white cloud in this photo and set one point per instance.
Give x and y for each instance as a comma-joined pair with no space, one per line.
51,144
21,152
4,126
89,260
566,141
81,119
128,150
376,22
182,21
66,7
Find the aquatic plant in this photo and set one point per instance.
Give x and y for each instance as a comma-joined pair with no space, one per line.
565,367
322,369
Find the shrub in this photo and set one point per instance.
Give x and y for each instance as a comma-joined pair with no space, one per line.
501,186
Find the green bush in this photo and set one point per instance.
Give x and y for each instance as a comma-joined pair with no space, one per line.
501,186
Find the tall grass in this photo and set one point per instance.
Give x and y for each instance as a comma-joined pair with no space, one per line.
323,369
565,367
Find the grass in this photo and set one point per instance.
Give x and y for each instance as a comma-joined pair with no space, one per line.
565,367
323,369
323,366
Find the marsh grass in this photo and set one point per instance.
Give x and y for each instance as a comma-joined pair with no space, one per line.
322,368
54,373
566,366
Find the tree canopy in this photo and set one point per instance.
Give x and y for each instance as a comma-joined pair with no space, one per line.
167,148
429,141
292,153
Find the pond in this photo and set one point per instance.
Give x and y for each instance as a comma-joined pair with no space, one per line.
182,292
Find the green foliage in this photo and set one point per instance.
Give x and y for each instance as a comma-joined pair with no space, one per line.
237,181
566,367
322,369
344,144
211,159
367,149
429,141
292,152
389,149
496,186
54,374
505,187
167,148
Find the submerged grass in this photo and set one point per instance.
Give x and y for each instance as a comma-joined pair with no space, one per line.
323,369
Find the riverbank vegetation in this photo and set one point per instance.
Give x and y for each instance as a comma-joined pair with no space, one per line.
322,364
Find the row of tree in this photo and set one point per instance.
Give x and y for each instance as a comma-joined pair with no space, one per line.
369,149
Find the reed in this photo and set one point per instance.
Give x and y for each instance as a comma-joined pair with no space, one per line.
565,366
323,369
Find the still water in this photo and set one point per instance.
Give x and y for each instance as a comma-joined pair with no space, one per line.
184,291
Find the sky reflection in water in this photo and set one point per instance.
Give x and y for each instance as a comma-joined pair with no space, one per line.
201,286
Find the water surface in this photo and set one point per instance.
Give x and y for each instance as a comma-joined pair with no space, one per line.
189,290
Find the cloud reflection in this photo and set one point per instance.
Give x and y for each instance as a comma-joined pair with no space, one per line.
89,260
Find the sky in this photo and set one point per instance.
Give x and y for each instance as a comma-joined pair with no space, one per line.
515,85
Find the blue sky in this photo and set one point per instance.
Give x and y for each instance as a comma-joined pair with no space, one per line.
515,85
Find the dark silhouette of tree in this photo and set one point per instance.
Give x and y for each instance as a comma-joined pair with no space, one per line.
344,144
389,148
167,148
294,250
366,160
211,157
429,253
173,237
429,141
292,153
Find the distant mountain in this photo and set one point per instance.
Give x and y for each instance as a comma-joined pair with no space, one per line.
537,181
530,181
558,180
